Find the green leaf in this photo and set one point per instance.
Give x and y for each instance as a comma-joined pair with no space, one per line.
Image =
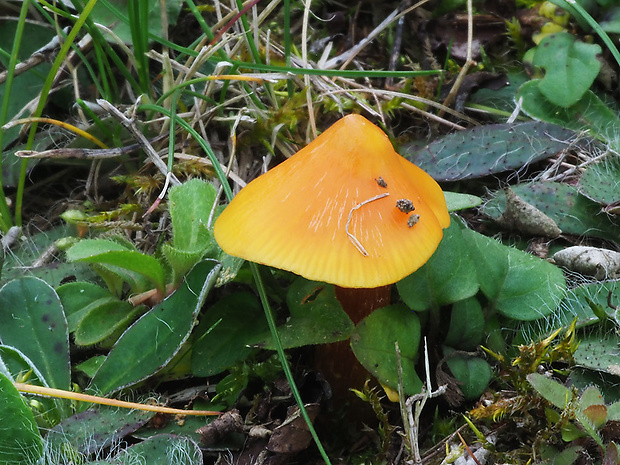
89,367
94,430
570,68
457,157
588,113
567,456
25,252
613,412
163,449
599,353
105,320
191,205
80,298
518,285
554,392
14,364
373,343
20,441
316,317
113,13
448,276
223,336
157,336
120,260
601,181
467,323
472,373
180,261
591,396
457,201
32,321
577,304
24,86
572,212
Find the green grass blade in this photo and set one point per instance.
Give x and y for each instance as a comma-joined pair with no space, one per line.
285,366
592,22
203,144
5,213
335,72
47,86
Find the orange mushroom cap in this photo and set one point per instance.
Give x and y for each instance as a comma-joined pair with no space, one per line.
329,213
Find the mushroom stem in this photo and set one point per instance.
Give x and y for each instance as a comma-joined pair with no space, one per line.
336,361
359,303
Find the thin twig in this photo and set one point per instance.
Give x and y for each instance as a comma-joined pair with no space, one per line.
62,394
413,419
468,62
130,125
471,454
345,58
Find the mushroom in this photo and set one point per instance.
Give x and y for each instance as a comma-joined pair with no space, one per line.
346,209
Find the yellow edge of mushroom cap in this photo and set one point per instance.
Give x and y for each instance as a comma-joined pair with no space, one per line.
324,213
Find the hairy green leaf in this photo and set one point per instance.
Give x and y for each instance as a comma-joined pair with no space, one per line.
152,341
32,320
518,285
20,441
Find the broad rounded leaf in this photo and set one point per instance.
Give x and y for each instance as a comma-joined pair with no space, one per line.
518,285
373,343
316,317
448,276
570,68
466,329
473,374
117,258
225,331
32,320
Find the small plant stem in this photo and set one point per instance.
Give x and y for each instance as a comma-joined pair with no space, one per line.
47,86
203,144
304,59
131,126
468,61
137,11
287,45
5,213
285,366
173,128
60,124
62,394
246,27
